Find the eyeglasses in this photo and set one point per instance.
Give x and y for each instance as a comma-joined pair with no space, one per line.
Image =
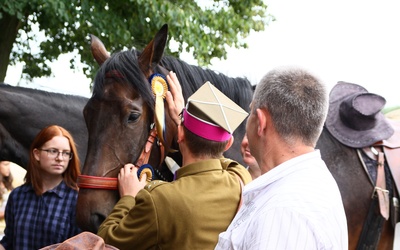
52,152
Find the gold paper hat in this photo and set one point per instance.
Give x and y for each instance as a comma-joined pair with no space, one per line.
212,115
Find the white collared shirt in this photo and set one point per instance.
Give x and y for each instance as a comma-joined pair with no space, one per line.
296,205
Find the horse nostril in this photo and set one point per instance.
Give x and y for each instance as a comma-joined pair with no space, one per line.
95,221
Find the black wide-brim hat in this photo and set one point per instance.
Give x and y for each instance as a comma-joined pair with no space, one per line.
354,116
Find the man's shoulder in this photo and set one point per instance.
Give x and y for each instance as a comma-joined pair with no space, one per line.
154,184
236,168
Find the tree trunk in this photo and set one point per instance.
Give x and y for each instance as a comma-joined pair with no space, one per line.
9,29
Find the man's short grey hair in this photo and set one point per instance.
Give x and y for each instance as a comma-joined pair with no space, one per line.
297,102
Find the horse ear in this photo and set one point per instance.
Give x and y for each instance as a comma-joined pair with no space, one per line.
152,54
99,51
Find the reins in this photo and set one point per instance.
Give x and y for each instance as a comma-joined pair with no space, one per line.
111,183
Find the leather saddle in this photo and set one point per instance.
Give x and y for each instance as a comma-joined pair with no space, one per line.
389,151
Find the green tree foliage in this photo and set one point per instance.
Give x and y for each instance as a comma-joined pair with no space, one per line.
204,27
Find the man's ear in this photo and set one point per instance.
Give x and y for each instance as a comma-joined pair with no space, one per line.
261,120
180,133
229,144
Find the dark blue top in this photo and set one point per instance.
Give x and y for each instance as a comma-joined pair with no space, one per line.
33,222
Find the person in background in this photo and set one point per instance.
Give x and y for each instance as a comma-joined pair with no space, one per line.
191,211
295,203
6,180
18,174
250,161
41,212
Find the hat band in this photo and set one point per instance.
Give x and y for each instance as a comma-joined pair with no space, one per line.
204,129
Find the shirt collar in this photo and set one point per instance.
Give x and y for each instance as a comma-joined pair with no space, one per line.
59,190
281,170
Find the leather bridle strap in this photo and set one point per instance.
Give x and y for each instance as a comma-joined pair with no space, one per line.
96,182
111,183
380,187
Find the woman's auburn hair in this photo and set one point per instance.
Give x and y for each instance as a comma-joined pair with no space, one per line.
33,174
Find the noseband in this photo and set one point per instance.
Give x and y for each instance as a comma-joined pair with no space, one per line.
111,183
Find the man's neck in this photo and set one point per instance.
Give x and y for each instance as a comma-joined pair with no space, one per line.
280,152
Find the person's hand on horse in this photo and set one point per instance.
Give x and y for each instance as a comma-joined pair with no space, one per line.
174,97
128,182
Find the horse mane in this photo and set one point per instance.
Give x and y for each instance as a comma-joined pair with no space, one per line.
123,66
192,77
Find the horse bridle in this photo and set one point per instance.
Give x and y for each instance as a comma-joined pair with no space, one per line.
111,183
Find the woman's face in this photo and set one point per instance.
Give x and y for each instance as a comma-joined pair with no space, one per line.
54,155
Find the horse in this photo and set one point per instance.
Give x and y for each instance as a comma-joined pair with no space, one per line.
24,112
346,166
120,117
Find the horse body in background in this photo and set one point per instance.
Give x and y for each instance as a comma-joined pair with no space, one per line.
24,112
355,187
120,114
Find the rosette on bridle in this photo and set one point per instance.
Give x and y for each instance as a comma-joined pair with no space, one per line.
159,87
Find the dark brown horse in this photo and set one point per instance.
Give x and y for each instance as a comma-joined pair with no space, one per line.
356,190
120,116
24,112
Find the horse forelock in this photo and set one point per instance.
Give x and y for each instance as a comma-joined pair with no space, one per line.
123,67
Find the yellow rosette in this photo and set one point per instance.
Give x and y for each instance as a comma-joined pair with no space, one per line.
159,87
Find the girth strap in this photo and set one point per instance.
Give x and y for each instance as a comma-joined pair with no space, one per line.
372,229
373,224
380,188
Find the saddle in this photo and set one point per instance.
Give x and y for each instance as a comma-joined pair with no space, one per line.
388,150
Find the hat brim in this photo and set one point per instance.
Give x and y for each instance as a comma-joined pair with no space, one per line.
348,136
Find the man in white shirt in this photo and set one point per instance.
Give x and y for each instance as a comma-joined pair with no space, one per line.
295,203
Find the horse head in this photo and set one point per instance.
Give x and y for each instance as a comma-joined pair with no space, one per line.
120,119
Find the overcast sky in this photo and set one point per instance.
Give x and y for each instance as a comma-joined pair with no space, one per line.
344,40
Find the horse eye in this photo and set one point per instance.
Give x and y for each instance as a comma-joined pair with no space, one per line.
133,117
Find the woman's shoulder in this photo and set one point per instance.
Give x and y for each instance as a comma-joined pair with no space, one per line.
19,191
23,188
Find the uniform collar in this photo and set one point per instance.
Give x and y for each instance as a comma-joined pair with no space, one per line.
199,167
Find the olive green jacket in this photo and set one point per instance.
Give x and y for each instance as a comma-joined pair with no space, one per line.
188,213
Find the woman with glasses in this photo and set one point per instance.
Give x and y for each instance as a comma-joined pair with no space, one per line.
41,212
